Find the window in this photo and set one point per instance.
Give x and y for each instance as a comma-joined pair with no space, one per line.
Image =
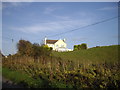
62,45
56,45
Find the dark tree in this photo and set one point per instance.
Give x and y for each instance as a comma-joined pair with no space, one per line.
24,48
36,51
83,46
75,47
79,47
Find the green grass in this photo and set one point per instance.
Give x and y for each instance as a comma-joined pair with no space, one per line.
61,73
21,78
102,54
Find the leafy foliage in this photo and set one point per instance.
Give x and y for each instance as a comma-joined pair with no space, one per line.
56,75
59,72
80,47
21,78
83,46
24,48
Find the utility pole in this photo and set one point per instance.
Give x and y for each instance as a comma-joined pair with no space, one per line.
12,45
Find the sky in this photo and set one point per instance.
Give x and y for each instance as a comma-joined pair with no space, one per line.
33,21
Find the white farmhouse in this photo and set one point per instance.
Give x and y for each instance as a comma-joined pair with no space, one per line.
57,45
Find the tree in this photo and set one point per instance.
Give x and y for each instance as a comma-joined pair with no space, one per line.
46,50
75,47
83,46
51,48
24,48
79,47
40,51
36,52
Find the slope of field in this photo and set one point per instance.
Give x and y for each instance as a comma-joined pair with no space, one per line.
92,55
91,68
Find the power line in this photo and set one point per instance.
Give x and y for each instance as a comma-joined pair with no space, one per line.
84,26
76,28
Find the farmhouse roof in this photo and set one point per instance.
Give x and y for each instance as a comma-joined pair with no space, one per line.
51,41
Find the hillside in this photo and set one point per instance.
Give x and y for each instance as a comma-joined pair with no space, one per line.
91,68
92,55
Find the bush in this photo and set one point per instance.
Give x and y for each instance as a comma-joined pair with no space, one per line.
25,48
21,78
83,46
79,47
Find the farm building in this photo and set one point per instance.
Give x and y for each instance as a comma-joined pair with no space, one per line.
57,45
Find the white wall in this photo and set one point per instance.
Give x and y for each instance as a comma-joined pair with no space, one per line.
60,43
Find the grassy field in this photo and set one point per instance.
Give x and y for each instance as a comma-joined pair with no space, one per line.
102,54
91,68
21,78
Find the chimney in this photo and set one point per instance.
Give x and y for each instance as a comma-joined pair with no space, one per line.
64,39
45,41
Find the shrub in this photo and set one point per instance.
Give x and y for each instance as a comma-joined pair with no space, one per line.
79,47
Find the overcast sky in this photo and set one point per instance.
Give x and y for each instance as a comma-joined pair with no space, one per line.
34,20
